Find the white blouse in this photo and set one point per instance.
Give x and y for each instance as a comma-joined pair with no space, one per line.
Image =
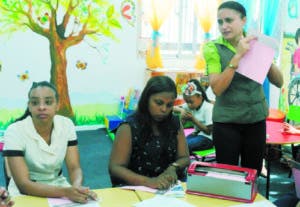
44,161
203,115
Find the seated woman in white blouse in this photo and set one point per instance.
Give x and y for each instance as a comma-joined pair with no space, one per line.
36,145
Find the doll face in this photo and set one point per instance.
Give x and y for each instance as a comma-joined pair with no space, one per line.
161,105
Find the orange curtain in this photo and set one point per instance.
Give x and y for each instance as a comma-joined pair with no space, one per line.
156,11
206,13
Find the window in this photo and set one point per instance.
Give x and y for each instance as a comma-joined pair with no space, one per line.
180,34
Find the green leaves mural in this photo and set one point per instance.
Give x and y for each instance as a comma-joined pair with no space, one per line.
64,23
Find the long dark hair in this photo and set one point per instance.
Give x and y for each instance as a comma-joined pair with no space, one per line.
35,85
156,84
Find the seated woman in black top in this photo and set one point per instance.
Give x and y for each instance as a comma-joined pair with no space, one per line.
150,148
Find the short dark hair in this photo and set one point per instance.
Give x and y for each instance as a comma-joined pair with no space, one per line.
297,35
35,85
234,6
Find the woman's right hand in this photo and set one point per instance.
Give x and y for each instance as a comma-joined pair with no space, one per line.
159,182
244,45
164,181
80,194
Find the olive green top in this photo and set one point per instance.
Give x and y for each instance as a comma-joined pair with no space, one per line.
244,100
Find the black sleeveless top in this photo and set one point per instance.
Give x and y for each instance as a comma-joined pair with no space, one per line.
151,155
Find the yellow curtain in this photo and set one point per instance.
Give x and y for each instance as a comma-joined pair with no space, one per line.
156,11
206,13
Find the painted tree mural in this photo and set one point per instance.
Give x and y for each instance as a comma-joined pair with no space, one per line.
64,23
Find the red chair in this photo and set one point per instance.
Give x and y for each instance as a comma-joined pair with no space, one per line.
276,115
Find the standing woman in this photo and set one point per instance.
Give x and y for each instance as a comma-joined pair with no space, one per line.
36,146
240,110
150,147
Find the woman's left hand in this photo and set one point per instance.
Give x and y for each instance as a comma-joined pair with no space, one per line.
5,199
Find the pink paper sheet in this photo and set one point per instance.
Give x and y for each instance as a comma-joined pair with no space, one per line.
256,63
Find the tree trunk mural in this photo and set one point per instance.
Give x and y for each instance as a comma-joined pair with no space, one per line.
92,19
59,78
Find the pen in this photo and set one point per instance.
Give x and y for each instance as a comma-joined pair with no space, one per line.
137,195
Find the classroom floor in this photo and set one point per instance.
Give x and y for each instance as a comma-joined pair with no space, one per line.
95,145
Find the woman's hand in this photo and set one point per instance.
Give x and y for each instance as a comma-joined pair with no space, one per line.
165,180
80,194
244,45
5,199
170,174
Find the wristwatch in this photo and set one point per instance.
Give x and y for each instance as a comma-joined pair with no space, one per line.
232,66
176,165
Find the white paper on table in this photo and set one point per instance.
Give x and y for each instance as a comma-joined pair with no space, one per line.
256,63
64,202
256,204
175,191
165,201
